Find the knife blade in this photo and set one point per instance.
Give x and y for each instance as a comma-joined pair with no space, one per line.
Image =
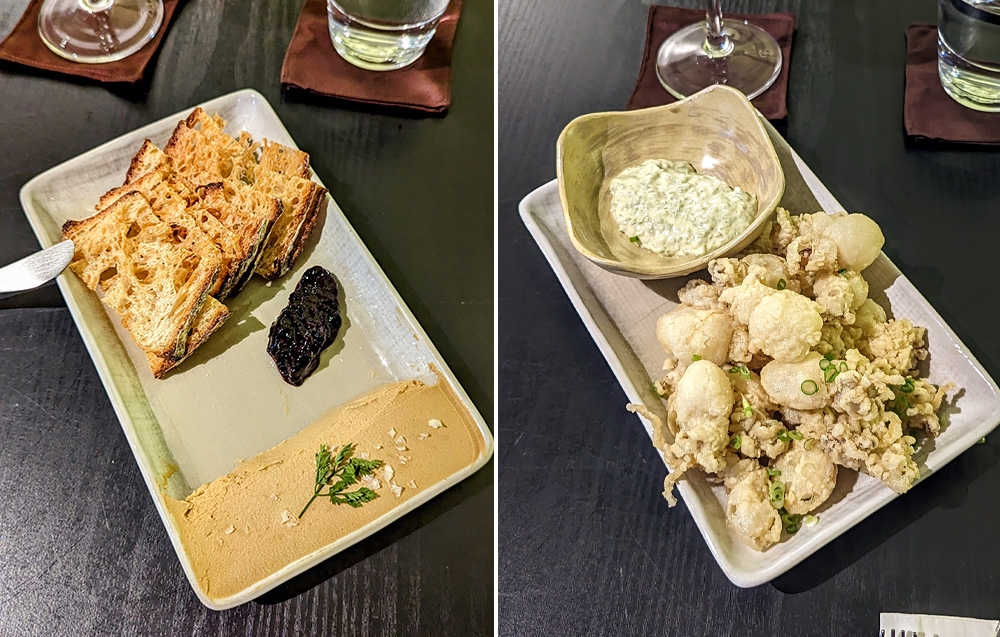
35,269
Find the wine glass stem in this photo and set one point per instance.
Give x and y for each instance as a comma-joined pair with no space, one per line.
717,44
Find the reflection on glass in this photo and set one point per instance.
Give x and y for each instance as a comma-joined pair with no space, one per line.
718,51
98,31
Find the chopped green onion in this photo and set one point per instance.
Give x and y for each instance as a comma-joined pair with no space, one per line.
740,369
824,364
842,271
829,355
781,284
808,444
982,441
783,436
809,521
736,441
777,494
843,366
794,435
695,358
791,522
809,387
774,472
907,387
634,239
830,374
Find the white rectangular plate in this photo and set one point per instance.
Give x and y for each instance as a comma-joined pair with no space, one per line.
621,314
227,403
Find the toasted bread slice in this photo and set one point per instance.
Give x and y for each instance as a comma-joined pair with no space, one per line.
284,160
250,215
210,318
206,155
148,159
156,272
298,197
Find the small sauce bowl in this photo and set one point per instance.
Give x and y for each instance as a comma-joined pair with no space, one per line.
716,130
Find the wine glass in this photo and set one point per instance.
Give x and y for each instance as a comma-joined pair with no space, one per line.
98,31
718,51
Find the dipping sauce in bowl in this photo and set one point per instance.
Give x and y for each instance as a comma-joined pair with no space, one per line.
667,207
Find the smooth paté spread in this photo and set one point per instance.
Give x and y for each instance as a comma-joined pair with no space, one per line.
667,207
243,527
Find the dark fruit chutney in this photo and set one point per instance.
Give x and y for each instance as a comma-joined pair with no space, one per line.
306,327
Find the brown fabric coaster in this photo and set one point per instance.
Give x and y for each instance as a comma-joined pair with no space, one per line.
664,21
25,46
929,114
313,65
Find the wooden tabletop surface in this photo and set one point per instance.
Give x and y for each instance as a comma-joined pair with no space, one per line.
82,549
587,546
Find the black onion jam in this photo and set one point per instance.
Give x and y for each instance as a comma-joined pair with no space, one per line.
306,327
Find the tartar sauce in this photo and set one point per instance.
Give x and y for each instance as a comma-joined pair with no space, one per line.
667,207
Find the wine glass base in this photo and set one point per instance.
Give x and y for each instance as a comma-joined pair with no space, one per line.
97,32
685,64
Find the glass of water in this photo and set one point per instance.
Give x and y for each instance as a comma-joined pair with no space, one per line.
969,52
382,35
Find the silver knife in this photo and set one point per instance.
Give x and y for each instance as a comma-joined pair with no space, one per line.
36,269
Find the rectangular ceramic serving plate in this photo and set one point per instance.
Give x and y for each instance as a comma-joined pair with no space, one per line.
621,314
227,403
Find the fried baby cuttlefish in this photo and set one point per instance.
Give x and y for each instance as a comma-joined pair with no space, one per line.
782,369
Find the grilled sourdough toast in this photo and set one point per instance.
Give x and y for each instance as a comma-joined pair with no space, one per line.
155,273
209,154
189,227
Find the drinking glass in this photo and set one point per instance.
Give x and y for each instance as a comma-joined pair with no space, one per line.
381,35
718,51
98,31
969,52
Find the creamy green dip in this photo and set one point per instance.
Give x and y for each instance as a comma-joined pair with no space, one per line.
666,207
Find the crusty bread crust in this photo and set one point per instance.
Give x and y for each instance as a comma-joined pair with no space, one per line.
210,318
191,225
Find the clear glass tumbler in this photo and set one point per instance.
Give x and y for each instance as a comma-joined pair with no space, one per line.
382,35
969,52
98,31
718,51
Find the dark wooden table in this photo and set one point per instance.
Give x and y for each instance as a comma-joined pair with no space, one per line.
587,546
82,550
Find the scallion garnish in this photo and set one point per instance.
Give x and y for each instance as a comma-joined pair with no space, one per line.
809,387
794,435
843,366
809,521
829,355
695,358
907,387
842,271
774,472
781,284
783,436
777,494
824,364
830,374
808,444
634,239
736,441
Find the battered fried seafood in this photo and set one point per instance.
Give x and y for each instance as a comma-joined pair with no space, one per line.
782,369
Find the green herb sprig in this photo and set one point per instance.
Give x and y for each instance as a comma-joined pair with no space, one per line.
337,473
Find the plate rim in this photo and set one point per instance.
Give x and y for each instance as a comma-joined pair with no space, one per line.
105,371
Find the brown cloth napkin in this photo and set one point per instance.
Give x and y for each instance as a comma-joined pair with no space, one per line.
664,21
929,114
313,65
25,46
